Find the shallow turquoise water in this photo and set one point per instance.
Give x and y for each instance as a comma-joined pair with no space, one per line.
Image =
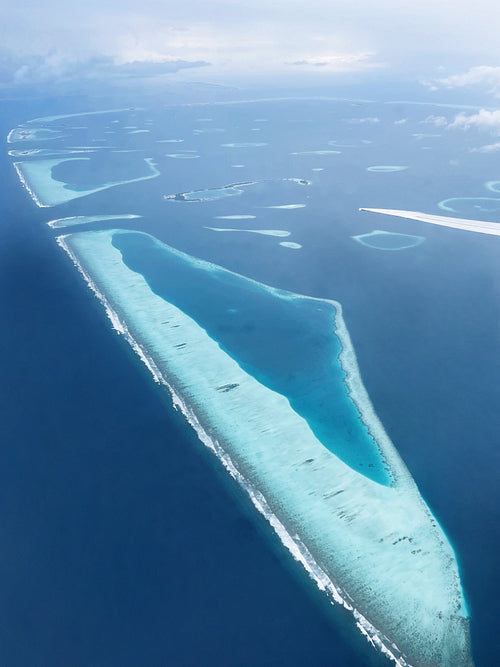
285,341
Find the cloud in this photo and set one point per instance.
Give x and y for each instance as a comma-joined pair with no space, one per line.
149,69
338,61
483,120
261,38
438,121
362,121
483,75
489,148
60,68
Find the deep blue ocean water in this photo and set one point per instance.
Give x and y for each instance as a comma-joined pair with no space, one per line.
124,543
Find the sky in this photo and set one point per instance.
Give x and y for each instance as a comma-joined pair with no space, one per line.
224,40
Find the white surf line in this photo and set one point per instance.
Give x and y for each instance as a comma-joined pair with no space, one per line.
492,228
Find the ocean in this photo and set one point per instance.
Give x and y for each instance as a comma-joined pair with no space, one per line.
126,541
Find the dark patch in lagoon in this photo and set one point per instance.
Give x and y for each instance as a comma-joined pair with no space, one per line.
227,387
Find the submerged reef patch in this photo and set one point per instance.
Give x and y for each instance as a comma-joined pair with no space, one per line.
385,168
470,204
383,240
245,144
234,217
322,152
264,232
291,245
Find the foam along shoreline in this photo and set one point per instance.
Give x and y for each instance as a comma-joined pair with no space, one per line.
375,549
479,226
75,220
264,232
36,176
483,204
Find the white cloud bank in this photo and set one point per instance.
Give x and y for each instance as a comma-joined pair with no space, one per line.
339,61
483,75
482,120
489,148
262,38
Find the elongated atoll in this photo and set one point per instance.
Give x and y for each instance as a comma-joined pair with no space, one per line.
372,546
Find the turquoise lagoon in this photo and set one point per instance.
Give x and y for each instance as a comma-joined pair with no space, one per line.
270,382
